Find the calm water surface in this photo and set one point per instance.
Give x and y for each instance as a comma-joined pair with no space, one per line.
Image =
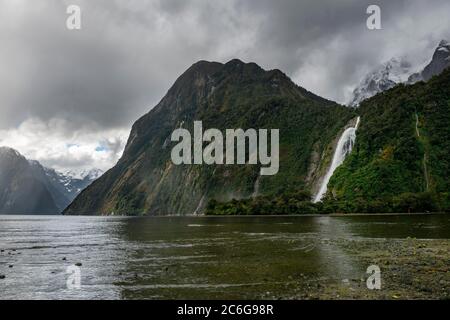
188,257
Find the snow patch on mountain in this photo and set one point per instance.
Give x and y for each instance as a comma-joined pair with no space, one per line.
401,70
91,174
64,187
382,78
74,181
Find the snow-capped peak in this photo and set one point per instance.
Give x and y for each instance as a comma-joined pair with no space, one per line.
73,182
400,70
382,78
94,174
91,174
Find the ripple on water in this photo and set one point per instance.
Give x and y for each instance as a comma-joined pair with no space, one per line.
183,258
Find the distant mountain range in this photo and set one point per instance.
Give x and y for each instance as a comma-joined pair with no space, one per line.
400,70
27,187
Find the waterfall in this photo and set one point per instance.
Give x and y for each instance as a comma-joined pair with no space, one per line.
256,187
343,149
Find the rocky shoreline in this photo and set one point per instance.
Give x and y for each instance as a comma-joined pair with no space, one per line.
411,269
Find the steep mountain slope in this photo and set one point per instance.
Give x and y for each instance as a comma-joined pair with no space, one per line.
402,145
400,70
64,187
20,191
400,161
56,190
223,96
440,62
27,187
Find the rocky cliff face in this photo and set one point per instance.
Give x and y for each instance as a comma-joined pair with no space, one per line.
223,96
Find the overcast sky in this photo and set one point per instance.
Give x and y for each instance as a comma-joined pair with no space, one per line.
69,98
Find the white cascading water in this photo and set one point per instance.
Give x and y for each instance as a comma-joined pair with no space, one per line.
343,149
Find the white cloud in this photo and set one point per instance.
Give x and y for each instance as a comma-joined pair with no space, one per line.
55,144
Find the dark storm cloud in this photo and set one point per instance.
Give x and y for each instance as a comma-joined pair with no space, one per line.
326,46
128,53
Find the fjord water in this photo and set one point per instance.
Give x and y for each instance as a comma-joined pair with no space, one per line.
191,257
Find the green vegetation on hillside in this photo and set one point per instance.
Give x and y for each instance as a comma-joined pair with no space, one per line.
400,162
392,157
392,168
223,96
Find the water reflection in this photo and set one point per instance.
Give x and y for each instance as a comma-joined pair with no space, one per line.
234,257
336,264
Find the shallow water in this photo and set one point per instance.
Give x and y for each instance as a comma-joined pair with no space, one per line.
189,257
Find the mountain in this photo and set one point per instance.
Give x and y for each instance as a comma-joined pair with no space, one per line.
48,177
83,174
64,187
402,145
399,160
383,78
21,192
400,70
440,61
223,96
41,190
